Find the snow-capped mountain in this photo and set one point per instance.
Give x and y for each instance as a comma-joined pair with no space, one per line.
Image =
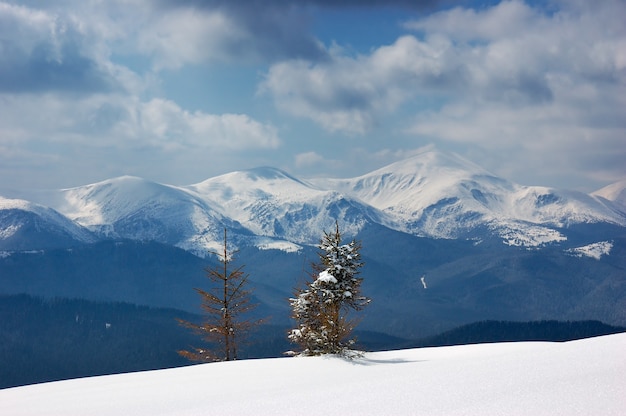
272,203
263,207
434,214
28,226
138,209
431,194
615,192
442,195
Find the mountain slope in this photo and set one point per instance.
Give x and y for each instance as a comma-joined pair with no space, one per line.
483,268
537,378
270,202
431,194
28,226
615,192
134,208
442,195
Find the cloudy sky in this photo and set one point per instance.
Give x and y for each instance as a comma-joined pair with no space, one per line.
177,91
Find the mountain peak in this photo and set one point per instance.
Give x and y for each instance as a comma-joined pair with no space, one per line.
430,161
414,183
28,225
8,203
118,181
615,192
267,172
265,178
430,193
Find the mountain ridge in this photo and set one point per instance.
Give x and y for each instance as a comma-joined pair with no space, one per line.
487,248
615,192
431,194
22,221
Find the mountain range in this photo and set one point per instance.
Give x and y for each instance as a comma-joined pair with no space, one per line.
487,248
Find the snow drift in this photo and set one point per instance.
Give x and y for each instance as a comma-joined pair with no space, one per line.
582,377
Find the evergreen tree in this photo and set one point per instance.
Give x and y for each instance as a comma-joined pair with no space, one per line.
224,326
321,309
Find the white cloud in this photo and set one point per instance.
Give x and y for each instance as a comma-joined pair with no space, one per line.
509,77
125,120
48,50
63,90
33,25
504,20
189,36
169,34
513,77
519,60
308,159
47,139
172,34
349,94
232,131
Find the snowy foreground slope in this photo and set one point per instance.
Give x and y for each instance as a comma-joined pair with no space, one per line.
584,377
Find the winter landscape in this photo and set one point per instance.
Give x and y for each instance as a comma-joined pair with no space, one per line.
583,377
442,238
444,243
439,184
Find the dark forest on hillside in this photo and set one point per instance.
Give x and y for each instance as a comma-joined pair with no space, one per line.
48,340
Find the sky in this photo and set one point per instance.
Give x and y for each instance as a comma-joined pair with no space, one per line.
177,91
584,377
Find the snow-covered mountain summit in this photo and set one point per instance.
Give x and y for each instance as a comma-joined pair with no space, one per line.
442,195
409,184
431,194
138,209
26,225
575,270
615,192
270,202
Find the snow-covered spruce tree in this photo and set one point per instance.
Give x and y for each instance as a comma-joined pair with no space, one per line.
224,326
321,308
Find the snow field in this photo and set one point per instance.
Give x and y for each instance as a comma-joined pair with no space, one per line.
583,377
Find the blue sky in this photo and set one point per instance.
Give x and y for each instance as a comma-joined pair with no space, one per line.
177,91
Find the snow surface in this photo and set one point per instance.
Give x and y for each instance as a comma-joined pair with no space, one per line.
326,277
270,202
595,250
615,192
49,215
584,377
269,244
526,235
442,195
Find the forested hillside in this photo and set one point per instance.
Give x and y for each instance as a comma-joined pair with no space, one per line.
46,340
